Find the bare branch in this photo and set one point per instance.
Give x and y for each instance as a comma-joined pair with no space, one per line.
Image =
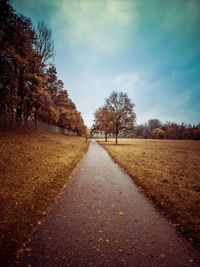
44,44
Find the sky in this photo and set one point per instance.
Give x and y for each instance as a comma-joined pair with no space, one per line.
149,49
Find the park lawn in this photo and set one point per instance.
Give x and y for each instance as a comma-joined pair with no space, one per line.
34,167
169,173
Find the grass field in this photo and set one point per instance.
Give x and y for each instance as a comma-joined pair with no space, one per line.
169,173
34,166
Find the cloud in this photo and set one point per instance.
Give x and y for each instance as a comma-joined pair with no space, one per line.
149,49
38,10
95,25
167,98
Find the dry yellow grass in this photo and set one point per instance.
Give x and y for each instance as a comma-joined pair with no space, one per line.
34,166
169,172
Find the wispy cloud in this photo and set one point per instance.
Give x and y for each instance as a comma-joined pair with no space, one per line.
149,49
165,98
97,25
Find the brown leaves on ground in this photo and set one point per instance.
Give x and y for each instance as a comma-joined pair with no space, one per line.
34,166
169,171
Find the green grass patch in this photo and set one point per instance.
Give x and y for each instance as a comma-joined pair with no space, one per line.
34,167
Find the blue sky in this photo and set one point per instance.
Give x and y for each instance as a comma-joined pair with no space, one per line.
149,49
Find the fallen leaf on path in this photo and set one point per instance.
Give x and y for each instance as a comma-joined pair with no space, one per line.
162,255
121,213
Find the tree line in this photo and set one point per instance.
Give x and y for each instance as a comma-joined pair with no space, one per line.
169,130
117,118
29,86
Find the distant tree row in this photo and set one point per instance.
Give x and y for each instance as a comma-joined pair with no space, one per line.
29,86
155,129
115,116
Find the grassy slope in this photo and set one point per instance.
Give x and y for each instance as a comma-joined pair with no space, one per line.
34,166
169,171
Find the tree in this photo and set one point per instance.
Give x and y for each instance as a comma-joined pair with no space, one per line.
29,87
102,122
158,133
44,44
123,116
141,131
20,71
152,124
8,82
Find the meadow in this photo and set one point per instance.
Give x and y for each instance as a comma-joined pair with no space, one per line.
168,172
34,167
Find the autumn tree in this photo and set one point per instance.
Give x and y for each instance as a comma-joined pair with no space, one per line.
168,130
19,70
102,122
8,95
29,86
158,133
123,116
152,125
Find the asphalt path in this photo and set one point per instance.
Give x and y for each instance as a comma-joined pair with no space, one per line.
102,219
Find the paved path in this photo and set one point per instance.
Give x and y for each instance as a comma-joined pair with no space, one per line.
101,219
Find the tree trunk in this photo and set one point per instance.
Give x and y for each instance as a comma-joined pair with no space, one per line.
116,133
106,139
26,121
19,117
36,120
12,118
116,137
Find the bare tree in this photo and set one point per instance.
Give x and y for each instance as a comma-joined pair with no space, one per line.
44,44
123,116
